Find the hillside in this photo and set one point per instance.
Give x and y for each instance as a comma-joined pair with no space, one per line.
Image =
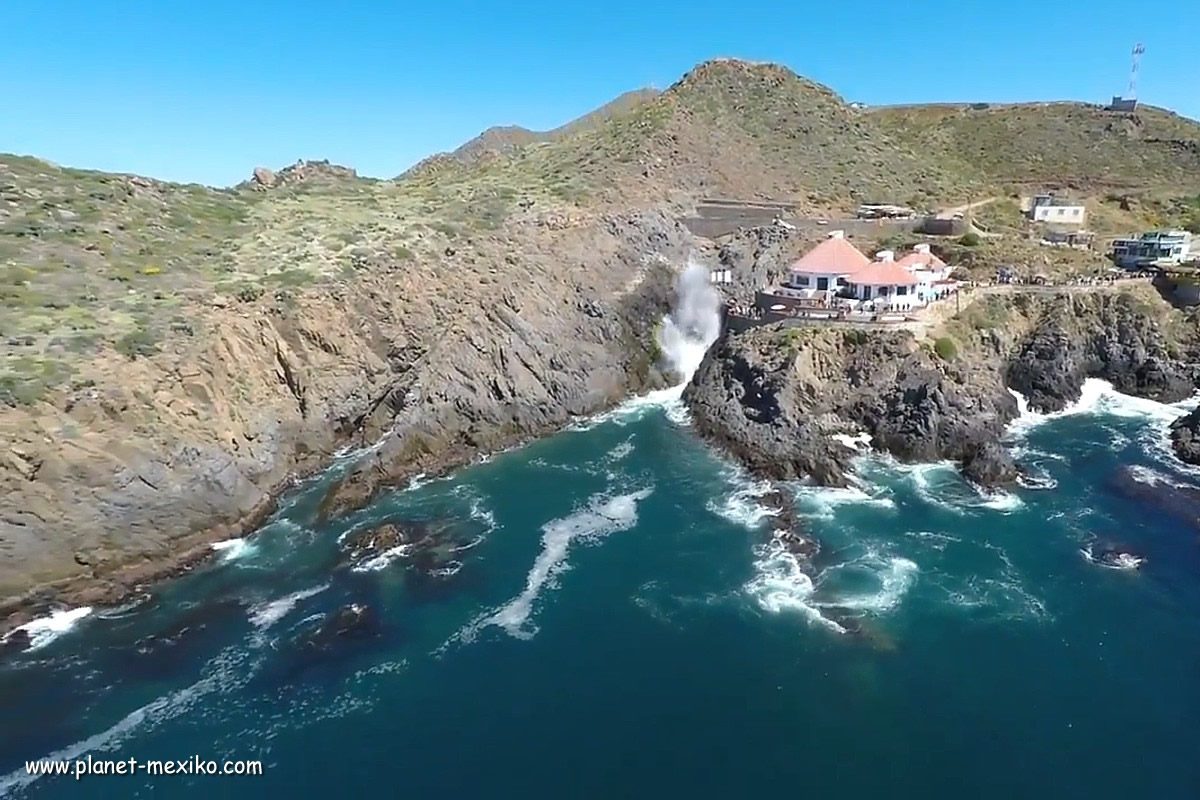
506,138
174,354
1078,145
729,128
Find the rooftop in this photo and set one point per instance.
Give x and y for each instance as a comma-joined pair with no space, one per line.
835,255
883,273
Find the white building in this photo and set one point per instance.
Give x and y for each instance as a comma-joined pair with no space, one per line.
887,285
1152,248
824,269
1060,215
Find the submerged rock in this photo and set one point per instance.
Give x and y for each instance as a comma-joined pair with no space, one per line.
1117,558
15,642
353,621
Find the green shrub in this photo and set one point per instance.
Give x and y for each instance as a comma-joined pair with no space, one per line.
138,342
970,239
946,349
249,292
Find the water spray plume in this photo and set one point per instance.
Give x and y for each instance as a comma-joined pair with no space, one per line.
693,325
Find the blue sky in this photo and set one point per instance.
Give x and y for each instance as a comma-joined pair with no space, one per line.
206,90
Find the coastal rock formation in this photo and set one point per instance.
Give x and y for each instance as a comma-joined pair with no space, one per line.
776,397
1185,437
990,465
196,441
1124,338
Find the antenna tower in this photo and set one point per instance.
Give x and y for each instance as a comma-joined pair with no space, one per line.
1138,49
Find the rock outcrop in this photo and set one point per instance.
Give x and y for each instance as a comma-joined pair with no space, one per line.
1185,437
776,397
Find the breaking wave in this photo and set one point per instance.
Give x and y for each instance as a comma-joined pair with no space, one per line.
603,514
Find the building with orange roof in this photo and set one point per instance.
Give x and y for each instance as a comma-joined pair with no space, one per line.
822,271
886,283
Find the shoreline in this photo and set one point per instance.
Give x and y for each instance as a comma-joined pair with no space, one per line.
138,575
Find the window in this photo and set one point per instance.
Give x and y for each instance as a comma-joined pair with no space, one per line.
901,290
1075,212
822,284
799,280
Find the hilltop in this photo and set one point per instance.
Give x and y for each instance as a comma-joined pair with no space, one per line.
506,138
1075,145
174,354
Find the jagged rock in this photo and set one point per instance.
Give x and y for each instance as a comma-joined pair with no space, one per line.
264,177
772,396
990,465
1185,437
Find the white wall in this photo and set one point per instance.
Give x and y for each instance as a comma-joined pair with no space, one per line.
1065,215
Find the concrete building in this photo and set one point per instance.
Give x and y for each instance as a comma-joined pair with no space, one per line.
1153,248
1055,211
822,271
886,284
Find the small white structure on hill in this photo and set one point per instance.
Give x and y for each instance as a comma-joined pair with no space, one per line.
1050,209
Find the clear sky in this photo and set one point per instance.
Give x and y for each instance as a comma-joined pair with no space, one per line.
205,90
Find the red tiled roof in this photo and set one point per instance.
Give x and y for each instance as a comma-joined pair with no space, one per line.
832,256
883,273
918,260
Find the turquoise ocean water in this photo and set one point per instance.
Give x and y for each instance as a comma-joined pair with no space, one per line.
617,625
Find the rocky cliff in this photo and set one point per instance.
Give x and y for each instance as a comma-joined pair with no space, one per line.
780,399
116,483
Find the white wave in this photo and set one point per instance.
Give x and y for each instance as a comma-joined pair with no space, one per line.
621,451
1004,502
824,501
694,324
1099,397
740,506
895,576
44,630
683,338
384,559
781,585
264,615
221,675
603,514
233,549
853,442
1153,477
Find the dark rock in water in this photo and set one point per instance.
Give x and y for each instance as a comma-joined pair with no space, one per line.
15,642
1117,558
1182,502
1185,437
354,621
990,465
418,537
786,525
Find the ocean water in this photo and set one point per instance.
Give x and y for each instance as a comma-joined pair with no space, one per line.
620,627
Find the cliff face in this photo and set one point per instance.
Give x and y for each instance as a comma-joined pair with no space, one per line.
774,397
123,482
